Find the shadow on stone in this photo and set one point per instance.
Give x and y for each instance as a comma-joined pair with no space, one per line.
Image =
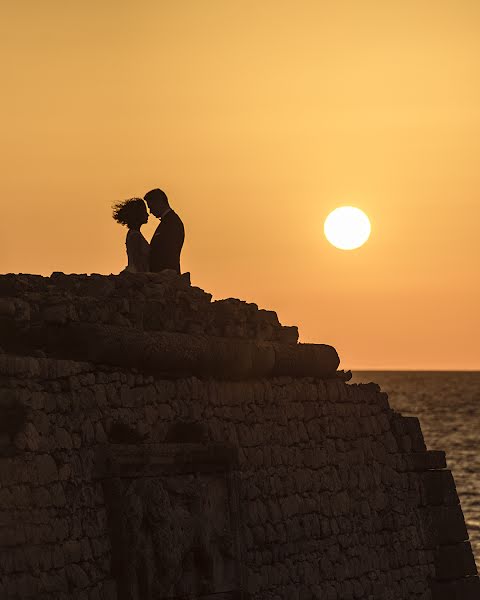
121,433
13,415
186,433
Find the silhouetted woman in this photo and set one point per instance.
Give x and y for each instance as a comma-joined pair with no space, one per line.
133,213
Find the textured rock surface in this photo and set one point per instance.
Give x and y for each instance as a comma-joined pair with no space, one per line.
153,322
189,479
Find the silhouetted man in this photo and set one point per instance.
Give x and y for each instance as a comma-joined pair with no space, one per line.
168,238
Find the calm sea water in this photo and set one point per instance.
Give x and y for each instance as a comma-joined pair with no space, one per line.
448,406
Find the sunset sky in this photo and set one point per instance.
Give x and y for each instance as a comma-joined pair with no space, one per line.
257,118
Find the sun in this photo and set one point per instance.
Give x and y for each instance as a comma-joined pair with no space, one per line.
347,228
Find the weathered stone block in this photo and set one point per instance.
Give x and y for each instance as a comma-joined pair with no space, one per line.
424,461
454,562
438,487
7,307
55,313
45,469
443,525
76,576
463,589
63,439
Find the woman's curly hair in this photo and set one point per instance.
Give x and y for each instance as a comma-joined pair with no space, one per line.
129,212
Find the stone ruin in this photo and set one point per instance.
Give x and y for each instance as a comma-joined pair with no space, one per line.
157,445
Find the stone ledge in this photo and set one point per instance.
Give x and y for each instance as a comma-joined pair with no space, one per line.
454,562
438,488
174,353
155,322
425,461
443,525
463,589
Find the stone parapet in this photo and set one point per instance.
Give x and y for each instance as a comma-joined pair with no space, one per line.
154,322
144,301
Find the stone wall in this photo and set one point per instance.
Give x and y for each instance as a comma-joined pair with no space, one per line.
155,444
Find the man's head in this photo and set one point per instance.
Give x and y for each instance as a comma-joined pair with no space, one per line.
157,202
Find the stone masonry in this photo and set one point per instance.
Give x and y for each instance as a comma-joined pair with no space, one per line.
157,445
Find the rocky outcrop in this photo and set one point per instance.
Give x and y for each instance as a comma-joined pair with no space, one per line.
157,445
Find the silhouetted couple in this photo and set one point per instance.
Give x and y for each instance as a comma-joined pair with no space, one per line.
164,249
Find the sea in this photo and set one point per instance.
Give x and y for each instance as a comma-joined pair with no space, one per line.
448,406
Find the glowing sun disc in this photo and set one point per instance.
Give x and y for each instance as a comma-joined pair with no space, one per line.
347,228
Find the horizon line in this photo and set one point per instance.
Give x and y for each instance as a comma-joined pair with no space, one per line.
412,370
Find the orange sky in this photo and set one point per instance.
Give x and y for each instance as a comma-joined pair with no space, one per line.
258,118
